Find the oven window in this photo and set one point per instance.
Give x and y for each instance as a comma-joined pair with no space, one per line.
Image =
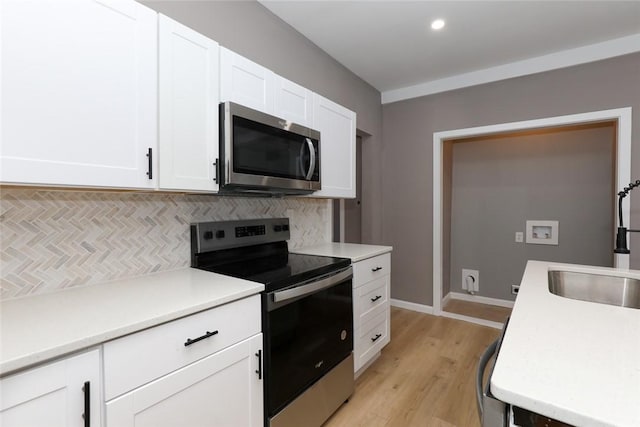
259,149
304,340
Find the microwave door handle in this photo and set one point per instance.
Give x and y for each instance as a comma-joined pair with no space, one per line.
312,162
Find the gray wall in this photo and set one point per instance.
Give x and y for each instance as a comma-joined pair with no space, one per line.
251,30
408,128
500,182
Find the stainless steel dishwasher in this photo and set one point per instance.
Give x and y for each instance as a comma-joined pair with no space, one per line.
494,412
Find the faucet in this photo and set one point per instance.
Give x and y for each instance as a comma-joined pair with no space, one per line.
621,236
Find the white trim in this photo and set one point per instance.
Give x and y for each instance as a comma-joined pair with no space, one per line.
477,298
489,323
421,308
429,310
446,299
623,173
553,61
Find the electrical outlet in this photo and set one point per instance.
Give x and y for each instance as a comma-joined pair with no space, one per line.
470,280
519,237
515,289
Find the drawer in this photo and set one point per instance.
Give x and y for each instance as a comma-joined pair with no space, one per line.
374,336
369,269
139,358
370,300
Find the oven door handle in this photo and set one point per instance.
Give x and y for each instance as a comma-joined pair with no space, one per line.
312,287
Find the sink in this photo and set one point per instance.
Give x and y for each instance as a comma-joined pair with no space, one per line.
600,288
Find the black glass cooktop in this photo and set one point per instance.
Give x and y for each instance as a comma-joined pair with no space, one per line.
275,270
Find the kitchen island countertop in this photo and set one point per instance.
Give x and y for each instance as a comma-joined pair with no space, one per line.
574,361
35,329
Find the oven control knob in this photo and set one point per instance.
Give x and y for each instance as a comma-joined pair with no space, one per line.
220,234
208,235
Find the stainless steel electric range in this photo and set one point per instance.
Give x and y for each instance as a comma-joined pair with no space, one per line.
307,315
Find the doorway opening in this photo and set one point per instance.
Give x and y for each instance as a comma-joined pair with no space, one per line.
622,119
347,213
496,183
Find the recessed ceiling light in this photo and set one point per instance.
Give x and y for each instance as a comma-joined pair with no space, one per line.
437,24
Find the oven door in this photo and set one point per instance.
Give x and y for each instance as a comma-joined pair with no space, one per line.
308,330
264,152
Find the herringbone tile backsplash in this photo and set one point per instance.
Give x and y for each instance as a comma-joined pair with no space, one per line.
51,240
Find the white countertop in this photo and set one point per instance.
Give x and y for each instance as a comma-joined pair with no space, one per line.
37,328
355,251
574,361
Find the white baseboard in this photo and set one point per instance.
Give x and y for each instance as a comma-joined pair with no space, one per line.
483,322
479,299
411,306
446,299
427,309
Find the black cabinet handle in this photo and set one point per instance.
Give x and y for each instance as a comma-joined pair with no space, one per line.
205,336
86,389
376,298
150,159
259,371
376,269
215,174
376,338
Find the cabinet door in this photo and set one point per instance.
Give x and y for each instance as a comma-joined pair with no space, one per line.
244,82
188,109
54,394
293,102
337,126
79,93
223,389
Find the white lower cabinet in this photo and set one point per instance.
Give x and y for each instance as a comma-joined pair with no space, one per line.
62,393
224,389
200,370
371,308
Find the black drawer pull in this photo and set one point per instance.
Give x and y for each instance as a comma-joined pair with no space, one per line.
150,160
376,338
259,371
376,269
376,298
205,336
86,389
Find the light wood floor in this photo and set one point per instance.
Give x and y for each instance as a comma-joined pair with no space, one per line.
424,377
477,310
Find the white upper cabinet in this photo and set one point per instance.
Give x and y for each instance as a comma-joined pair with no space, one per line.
293,102
79,93
244,82
337,126
188,108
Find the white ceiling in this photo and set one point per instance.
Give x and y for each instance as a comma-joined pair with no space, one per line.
390,44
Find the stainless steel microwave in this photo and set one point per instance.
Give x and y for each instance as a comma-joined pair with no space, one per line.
264,154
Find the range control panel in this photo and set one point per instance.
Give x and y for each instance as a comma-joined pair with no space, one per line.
210,236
